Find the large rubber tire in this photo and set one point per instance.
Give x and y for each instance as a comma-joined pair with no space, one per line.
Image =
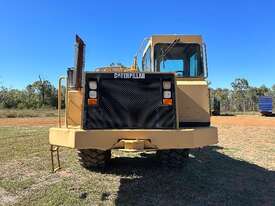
94,158
173,157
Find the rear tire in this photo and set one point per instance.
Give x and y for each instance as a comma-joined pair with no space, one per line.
94,158
173,157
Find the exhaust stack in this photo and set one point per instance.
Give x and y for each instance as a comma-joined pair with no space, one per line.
79,61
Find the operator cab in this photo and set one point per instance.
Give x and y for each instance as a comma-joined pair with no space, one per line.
183,55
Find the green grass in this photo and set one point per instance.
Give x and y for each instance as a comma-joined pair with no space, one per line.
13,113
22,142
211,177
14,185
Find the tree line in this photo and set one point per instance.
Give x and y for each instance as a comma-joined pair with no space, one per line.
241,97
39,94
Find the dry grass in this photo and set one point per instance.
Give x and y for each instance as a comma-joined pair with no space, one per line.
240,170
15,113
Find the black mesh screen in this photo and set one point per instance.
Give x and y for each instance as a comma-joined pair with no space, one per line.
129,103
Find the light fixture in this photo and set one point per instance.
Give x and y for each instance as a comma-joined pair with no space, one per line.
92,94
166,94
93,85
166,85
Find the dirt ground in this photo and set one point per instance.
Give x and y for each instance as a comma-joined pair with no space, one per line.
239,120
244,120
239,170
29,121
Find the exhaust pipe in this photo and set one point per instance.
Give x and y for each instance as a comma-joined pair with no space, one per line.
75,74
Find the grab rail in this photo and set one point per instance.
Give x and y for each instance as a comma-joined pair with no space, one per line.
205,62
60,99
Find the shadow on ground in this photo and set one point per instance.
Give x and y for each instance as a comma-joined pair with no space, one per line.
209,178
225,114
269,115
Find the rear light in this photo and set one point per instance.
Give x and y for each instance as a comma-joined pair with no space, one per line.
92,94
167,101
92,101
167,94
166,84
93,85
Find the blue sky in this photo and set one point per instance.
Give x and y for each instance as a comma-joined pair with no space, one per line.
37,37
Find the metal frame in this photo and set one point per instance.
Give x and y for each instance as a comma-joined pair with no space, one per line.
52,150
59,101
105,139
55,148
205,63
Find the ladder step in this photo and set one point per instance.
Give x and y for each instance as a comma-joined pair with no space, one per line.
52,150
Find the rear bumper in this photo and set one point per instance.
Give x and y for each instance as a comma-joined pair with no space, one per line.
156,139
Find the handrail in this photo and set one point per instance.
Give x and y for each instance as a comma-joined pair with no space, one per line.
60,98
205,60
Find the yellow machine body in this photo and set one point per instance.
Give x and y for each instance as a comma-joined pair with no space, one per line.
192,106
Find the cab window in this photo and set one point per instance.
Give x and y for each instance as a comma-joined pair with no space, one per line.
193,64
146,60
172,65
182,58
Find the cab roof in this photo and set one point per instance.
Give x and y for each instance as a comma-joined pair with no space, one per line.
169,38
172,37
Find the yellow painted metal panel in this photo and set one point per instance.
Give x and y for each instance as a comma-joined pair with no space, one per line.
62,136
170,38
107,139
75,102
193,101
189,82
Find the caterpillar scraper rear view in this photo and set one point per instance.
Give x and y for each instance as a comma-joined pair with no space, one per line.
163,105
